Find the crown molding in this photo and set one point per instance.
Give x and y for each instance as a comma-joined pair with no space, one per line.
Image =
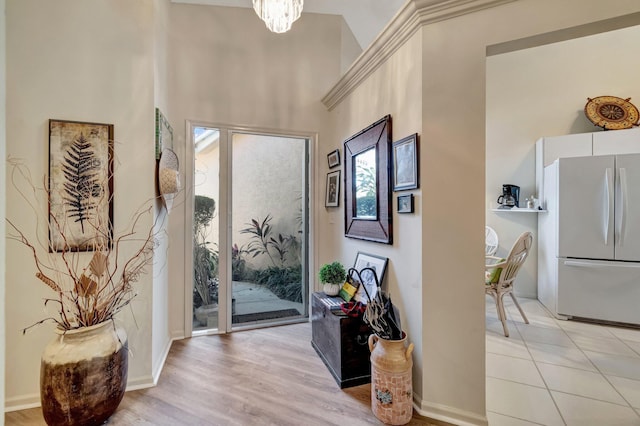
411,17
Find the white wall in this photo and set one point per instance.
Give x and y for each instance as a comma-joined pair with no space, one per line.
3,144
161,339
229,69
83,61
542,91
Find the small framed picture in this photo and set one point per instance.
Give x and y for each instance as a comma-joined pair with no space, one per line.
405,163
333,158
164,134
368,285
405,203
333,189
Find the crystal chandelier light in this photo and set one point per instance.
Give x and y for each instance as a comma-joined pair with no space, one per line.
278,14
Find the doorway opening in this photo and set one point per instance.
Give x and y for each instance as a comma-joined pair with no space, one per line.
250,229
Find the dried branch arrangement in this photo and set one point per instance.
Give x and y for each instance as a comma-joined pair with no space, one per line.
93,285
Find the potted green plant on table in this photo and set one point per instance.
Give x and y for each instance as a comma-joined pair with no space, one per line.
332,276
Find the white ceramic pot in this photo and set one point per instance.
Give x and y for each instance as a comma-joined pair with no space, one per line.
331,289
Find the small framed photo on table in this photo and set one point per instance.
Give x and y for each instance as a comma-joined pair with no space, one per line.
368,284
333,158
333,189
405,163
405,203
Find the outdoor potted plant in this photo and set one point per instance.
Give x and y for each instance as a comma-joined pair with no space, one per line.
83,371
332,276
205,262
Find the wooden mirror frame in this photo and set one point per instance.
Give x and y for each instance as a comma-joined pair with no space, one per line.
378,229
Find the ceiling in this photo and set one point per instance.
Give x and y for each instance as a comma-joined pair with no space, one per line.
366,18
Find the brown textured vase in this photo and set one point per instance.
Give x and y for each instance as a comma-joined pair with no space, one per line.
83,375
391,381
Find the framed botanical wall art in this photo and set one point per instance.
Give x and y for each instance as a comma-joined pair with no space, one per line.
164,133
80,185
333,159
333,189
405,163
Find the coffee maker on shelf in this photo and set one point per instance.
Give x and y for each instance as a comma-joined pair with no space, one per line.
510,197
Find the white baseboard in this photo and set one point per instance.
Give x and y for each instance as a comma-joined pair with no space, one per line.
33,401
177,335
141,382
22,402
448,414
157,369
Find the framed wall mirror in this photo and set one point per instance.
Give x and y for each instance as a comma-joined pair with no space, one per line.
367,183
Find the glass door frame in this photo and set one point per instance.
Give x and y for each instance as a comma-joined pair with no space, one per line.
224,210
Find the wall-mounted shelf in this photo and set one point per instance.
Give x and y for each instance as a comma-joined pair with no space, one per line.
518,210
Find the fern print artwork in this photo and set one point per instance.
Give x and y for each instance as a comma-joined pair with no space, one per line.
80,183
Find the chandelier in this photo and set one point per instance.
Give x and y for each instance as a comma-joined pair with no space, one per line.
278,15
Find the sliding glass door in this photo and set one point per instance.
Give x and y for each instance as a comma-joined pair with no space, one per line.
206,229
268,216
250,229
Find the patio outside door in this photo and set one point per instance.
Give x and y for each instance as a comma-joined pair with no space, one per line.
269,189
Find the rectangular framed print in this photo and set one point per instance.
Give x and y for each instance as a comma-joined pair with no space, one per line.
368,286
164,133
333,189
80,186
333,159
405,163
405,203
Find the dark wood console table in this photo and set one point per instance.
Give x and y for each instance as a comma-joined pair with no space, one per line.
341,343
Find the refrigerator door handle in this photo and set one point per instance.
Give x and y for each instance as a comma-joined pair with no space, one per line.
602,265
622,173
608,186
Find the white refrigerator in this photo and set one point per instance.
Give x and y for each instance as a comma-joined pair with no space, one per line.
589,238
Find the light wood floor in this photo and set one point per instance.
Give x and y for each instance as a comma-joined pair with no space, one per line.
268,376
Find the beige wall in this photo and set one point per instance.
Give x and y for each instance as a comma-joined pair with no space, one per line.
542,91
84,61
229,69
161,339
226,68
454,128
392,89
3,144
449,331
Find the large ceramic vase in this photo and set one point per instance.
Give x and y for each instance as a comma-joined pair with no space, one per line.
83,375
391,382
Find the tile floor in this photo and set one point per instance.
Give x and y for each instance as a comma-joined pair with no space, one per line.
554,372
